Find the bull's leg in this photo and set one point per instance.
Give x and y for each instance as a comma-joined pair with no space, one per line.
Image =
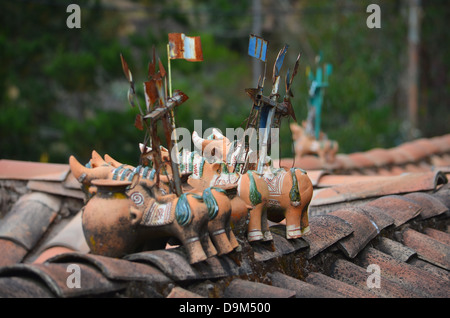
221,241
254,225
293,216
305,220
231,237
194,249
190,237
267,235
208,245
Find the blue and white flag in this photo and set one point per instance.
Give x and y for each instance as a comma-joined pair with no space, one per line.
257,47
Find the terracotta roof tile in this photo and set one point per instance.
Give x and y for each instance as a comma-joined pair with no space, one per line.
414,151
70,236
113,268
364,230
428,248
174,264
240,288
360,160
51,252
11,252
431,206
397,170
412,278
401,209
332,180
443,194
381,220
55,188
302,289
24,170
325,231
395,249
284,245
385,186
344,162
357,276
438,235
29,218
360,208
338,286
307,162
443,274
442,142
400,156
440,161
55,278
178,292
380,157
315,176
429,147
23,287
281,246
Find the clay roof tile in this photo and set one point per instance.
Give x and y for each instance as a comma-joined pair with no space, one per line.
239,288
338,286
11,252
399,208
431,206
428,248
301,288
29,218
380,157
405,275
325,231
364,230
357,276
360,160
55,276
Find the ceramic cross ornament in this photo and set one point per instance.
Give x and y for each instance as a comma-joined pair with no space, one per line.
318,82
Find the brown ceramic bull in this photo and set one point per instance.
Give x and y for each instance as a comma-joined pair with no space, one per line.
116,224
305,144
289,191
218,204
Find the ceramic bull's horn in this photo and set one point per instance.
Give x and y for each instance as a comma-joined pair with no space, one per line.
217,134
110,160
197,140
97,160
84,174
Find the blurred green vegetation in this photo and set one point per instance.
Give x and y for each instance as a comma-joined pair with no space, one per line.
62,91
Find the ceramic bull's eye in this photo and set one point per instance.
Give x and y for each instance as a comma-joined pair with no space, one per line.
137,198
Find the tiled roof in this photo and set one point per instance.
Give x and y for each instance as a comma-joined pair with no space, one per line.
415,156
359,218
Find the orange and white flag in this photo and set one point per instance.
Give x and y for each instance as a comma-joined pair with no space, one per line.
185,47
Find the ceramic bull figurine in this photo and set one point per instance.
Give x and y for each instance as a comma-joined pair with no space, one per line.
253,196
114,225
289,192
307,144
149,201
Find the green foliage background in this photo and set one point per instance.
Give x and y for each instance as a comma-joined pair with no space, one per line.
62,91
